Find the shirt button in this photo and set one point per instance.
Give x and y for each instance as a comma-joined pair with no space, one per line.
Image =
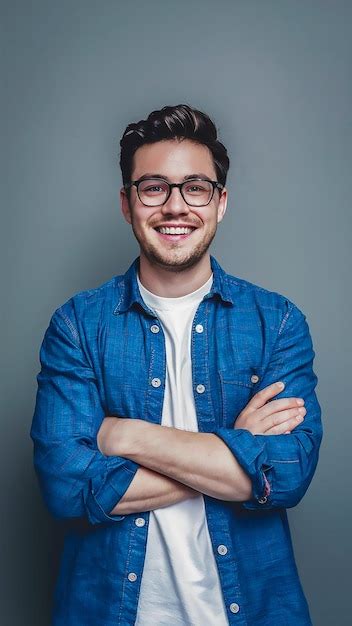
199,328
200,388
132,577
156,382
254,378
139,521
234,607
222,549
154,328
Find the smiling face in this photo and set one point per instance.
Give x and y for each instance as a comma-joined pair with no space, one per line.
173,160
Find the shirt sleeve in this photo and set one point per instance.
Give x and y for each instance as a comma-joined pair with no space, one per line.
281,467
76,480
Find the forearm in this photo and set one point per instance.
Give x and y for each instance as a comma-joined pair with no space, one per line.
201,461
150,490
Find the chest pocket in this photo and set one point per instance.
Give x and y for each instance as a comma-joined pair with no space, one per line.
236,392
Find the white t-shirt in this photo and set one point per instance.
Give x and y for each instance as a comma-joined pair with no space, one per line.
180,584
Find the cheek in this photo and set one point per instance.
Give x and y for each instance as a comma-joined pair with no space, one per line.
138,223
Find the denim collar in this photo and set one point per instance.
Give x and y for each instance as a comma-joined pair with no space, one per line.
130,294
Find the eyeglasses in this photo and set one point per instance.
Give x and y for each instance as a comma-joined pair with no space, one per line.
156,191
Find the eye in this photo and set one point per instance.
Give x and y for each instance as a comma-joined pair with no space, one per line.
153,188
197,187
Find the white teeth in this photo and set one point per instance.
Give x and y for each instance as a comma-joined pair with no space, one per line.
164,230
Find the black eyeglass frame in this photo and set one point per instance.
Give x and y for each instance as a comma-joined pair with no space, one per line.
214,183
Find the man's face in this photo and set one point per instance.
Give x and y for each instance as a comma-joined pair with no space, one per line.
173,160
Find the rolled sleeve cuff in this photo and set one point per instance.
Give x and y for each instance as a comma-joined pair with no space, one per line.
251,454
99,501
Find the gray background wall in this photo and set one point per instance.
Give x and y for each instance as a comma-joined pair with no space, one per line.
276,77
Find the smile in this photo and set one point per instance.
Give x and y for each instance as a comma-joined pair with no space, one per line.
174,233
174,230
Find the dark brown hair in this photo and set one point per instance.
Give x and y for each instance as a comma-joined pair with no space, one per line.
181,121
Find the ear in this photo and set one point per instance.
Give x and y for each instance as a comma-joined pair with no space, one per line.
125,207
222,205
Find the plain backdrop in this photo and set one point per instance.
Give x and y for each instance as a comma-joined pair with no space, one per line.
276,78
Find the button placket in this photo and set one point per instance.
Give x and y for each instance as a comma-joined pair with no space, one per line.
155,341
155,329
199,328
200,367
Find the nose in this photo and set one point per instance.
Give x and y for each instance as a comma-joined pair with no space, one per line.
175,204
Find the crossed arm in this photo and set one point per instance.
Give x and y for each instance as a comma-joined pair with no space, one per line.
176,464
147,465
261,453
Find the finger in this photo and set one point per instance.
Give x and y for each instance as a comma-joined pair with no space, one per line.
290,424
262,396
279,419
274,406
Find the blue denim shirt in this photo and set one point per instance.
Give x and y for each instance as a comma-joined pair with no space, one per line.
99,357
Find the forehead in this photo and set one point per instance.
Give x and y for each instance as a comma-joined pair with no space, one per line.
173,158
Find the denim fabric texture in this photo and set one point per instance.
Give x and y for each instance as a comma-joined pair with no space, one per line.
99,357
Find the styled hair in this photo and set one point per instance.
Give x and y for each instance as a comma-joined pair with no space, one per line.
173,122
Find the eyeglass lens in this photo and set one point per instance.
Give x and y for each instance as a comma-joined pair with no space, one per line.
155,192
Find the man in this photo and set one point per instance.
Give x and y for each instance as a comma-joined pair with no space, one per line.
157,419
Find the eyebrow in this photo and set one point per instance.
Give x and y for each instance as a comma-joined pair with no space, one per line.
163,177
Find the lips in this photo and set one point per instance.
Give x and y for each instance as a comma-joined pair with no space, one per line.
174,227
175,236
171,230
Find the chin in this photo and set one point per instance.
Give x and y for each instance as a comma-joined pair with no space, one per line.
174,259
174,262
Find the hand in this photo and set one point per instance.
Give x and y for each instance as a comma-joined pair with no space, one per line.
277,417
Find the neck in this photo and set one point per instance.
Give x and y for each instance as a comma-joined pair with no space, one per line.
170,284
